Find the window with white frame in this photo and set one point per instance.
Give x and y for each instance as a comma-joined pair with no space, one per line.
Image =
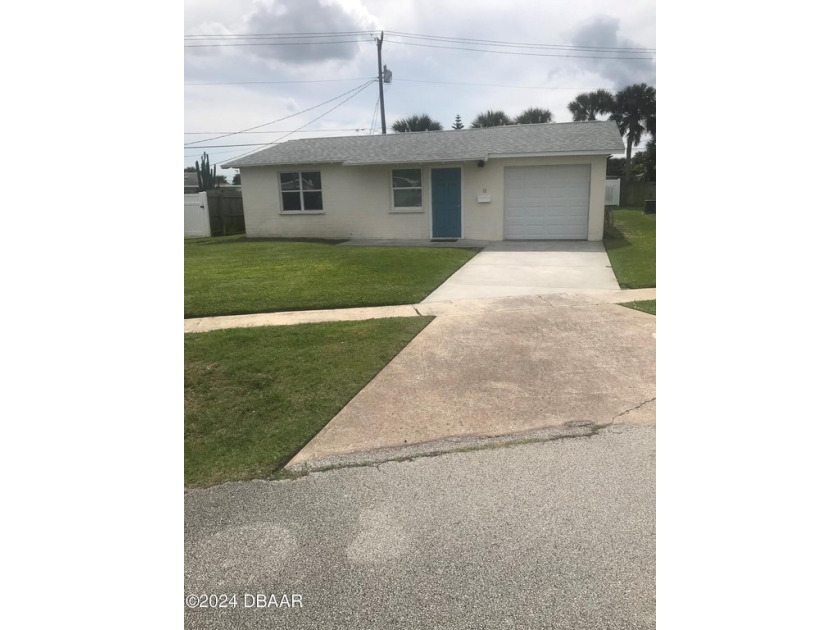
407,188
301,192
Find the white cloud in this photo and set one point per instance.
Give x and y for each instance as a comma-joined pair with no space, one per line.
426,78
602,31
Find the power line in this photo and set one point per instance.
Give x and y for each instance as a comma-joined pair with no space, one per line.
375,113
359,90
466,40
286,35
283,118
266,82
201,149
261,144
346,41
501,85
521,87
285,39
204,133
485,50
251,144
510,52
491,42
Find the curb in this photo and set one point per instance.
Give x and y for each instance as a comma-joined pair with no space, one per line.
574,428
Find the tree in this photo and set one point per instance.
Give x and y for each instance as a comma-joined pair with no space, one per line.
534,115
220,179
615,167
635,113
646,161
643,164
189,169
422,122
490,118
237,180
458,124
206,177
588,105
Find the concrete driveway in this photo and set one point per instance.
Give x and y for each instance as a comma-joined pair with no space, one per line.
557,364
510,268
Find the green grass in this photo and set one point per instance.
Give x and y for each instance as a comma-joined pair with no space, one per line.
647,306
253,397
631,246
235,275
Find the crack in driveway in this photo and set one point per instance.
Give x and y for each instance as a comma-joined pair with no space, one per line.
626,411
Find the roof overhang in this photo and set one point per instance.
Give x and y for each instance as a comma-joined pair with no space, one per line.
428,161
278,164
553,154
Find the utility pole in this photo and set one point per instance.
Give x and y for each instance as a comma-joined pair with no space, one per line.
381,91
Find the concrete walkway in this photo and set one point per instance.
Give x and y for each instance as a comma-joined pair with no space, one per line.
289,318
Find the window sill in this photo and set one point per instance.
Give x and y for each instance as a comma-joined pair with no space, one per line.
285,212
406,211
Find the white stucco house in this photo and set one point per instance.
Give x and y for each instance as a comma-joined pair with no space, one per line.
544,181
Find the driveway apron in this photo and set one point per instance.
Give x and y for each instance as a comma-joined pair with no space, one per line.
512,366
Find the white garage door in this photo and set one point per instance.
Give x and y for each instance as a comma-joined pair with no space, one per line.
547,202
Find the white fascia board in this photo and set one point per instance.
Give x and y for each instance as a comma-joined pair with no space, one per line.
285,164
451,161
550,154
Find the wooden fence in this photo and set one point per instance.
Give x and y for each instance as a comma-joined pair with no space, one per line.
634,194
227,215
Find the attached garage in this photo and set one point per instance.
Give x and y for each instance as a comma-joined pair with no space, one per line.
547,202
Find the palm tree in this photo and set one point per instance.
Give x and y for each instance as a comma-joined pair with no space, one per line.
421,122
534,115
590,104
635,113
491,118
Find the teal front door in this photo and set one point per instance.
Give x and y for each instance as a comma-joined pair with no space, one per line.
446,203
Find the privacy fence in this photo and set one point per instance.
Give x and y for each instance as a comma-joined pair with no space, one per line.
214,213
634,194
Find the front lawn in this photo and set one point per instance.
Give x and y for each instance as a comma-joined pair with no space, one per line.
646,306
253,397
631,246
235,275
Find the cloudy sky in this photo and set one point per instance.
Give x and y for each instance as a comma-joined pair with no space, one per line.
317,84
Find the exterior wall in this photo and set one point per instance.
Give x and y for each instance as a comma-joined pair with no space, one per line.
357,201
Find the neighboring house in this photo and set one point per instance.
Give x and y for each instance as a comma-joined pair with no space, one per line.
190,183
544,181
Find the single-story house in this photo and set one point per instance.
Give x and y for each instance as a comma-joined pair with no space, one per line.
543,181
190,183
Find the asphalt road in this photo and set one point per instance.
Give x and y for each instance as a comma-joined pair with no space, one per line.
557,534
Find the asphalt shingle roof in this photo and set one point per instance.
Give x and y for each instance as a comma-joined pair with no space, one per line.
601,137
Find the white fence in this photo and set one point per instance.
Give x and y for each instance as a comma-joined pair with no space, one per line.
612,193
196,215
